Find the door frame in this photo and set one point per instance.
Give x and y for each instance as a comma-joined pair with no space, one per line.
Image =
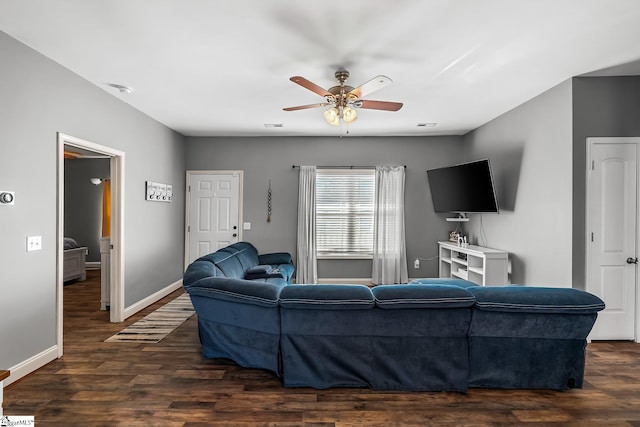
613,140
117,157
187,204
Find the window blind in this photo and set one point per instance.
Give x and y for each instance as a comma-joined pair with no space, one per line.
344,212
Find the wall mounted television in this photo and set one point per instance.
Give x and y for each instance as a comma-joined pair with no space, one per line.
464,188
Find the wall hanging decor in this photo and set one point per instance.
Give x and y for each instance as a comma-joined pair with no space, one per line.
157,192
269,203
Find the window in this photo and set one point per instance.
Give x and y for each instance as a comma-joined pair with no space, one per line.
344,212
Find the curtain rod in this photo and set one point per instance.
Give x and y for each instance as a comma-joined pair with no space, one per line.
343,167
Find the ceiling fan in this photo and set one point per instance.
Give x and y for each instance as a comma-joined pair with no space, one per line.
345,99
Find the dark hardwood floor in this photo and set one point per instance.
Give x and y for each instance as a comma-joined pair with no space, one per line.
170,384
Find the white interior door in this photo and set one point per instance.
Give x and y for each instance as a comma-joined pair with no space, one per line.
214,211
612,235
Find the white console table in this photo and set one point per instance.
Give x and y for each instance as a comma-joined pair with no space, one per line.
483,266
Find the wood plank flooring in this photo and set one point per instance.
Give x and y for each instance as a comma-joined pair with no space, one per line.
170,384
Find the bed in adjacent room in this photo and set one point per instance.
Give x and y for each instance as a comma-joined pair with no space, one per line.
74,260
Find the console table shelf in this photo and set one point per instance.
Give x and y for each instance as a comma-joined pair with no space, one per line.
483,266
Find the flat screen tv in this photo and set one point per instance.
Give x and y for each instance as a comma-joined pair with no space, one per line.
463,188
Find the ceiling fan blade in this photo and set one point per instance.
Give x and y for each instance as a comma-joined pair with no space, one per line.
311,86
378,105
304,107
371,86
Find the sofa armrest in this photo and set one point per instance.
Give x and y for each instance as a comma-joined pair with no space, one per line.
275,258
530,299
237,290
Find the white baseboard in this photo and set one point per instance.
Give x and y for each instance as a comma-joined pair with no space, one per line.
145,302
93,265
28,366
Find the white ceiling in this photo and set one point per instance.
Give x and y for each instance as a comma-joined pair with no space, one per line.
222,68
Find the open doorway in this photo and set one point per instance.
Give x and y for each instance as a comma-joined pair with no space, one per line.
87,220
116,243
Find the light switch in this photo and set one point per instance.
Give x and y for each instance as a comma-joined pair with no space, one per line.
34,243
246,226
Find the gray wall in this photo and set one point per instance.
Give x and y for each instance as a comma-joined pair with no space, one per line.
602,106
39,98
530,148
262,159
83,202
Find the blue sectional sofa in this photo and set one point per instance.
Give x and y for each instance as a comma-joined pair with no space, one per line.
431,334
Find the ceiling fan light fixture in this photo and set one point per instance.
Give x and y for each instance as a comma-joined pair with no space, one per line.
345,98
332,116
349,114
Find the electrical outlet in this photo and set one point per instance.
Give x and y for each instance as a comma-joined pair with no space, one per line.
416,263
34,243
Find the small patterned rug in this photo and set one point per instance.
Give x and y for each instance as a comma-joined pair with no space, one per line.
158,324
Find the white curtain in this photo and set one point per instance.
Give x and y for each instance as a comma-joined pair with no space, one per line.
389,247
307,271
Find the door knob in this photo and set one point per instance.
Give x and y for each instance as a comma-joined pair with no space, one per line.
632,260
235,235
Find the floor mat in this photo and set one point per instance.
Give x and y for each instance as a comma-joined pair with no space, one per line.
158,324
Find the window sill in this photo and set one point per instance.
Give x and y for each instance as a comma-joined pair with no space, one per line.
344,256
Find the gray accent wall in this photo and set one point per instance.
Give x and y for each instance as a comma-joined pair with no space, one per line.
538,153
602,106
38,99
264,159
530,149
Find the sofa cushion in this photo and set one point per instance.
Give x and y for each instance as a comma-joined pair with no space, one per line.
245,252
526,299
230,264
275,258
327,297
421,296
200,269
